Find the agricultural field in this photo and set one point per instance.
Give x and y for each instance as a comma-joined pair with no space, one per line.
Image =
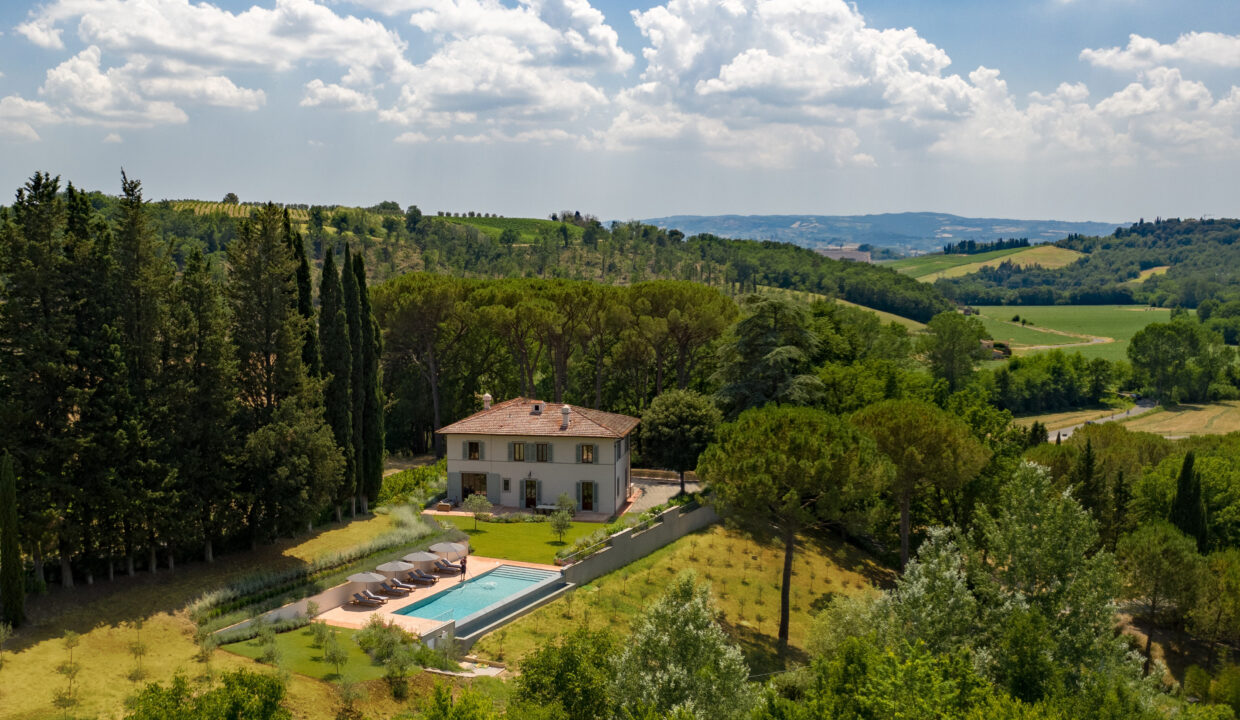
1149,273
1061,420
1217,418
1047,256
1117,322
106,615
744,577
923,265
233,210
1020,337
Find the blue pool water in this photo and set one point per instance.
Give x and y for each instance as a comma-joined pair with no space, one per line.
477,594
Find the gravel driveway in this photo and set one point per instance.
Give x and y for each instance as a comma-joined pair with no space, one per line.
657,493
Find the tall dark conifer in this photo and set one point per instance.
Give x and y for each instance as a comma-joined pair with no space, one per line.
202,379
371,450
12,576
357,394
305,300
1188,509
338,373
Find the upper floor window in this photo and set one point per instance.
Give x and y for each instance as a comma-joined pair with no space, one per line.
474,451
518,452
587,453
541,452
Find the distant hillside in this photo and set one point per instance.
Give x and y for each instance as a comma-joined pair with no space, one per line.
911,232
928,268
1166,263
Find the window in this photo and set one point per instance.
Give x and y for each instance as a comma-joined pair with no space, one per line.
587,453
507,484
473,451
542,452
617,455
518,452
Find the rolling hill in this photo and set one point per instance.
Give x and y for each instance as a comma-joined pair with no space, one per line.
929,268
910,231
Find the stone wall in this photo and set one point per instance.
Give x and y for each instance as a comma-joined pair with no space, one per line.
636,543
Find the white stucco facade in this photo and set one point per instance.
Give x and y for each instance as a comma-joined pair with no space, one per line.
526,470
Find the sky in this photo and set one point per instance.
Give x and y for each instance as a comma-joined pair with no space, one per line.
1105,110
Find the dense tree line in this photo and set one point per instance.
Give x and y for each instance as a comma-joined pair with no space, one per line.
1201,257
973,247
159,406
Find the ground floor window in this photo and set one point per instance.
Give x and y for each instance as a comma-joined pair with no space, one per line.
531,493
473,483
506,485
587,496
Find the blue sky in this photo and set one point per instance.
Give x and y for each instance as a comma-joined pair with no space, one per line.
1070,109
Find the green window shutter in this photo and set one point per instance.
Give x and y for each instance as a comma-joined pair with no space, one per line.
529,452
578,486
538,491
464,449
550,458
595,496
482,450
578,452
594,454
510,451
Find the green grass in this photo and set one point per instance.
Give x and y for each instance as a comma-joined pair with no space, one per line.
525,542
105,614
1218,418
938,262
1119,322
744,578
298,654
1017,336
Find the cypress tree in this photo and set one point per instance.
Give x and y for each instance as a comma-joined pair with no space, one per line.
357,395
371,450
305,301
1188,509
338,372
12,587
1086,482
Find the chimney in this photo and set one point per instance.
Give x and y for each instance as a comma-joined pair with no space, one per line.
537,407
486,401
565,412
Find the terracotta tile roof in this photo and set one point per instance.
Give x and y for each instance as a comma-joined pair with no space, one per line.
516,417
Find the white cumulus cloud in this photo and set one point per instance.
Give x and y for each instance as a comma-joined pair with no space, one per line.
321,94
1199,48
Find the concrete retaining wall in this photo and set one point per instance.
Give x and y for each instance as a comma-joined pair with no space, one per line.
627,545
326,600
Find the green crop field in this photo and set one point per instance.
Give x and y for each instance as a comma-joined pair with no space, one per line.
929,268
1018,337
923,265
1116,322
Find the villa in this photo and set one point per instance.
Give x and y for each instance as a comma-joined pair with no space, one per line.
525,453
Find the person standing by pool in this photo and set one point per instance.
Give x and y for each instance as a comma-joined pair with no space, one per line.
463,565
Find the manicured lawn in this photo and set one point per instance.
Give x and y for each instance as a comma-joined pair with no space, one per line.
297,654
1119,322
1207,419
527,542
743,575
104,615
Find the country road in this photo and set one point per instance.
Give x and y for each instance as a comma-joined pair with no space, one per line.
1143,406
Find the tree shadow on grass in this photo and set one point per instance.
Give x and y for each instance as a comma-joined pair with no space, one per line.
852,558
761,651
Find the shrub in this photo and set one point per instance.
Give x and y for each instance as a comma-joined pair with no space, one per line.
412,486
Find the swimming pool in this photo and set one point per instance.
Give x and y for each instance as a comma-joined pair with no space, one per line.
472,597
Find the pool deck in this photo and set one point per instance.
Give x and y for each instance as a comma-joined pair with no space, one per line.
356,616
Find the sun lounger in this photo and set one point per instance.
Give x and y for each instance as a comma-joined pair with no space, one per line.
373,596
399,592
421,579
445,566
419,573
402,585
359,599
